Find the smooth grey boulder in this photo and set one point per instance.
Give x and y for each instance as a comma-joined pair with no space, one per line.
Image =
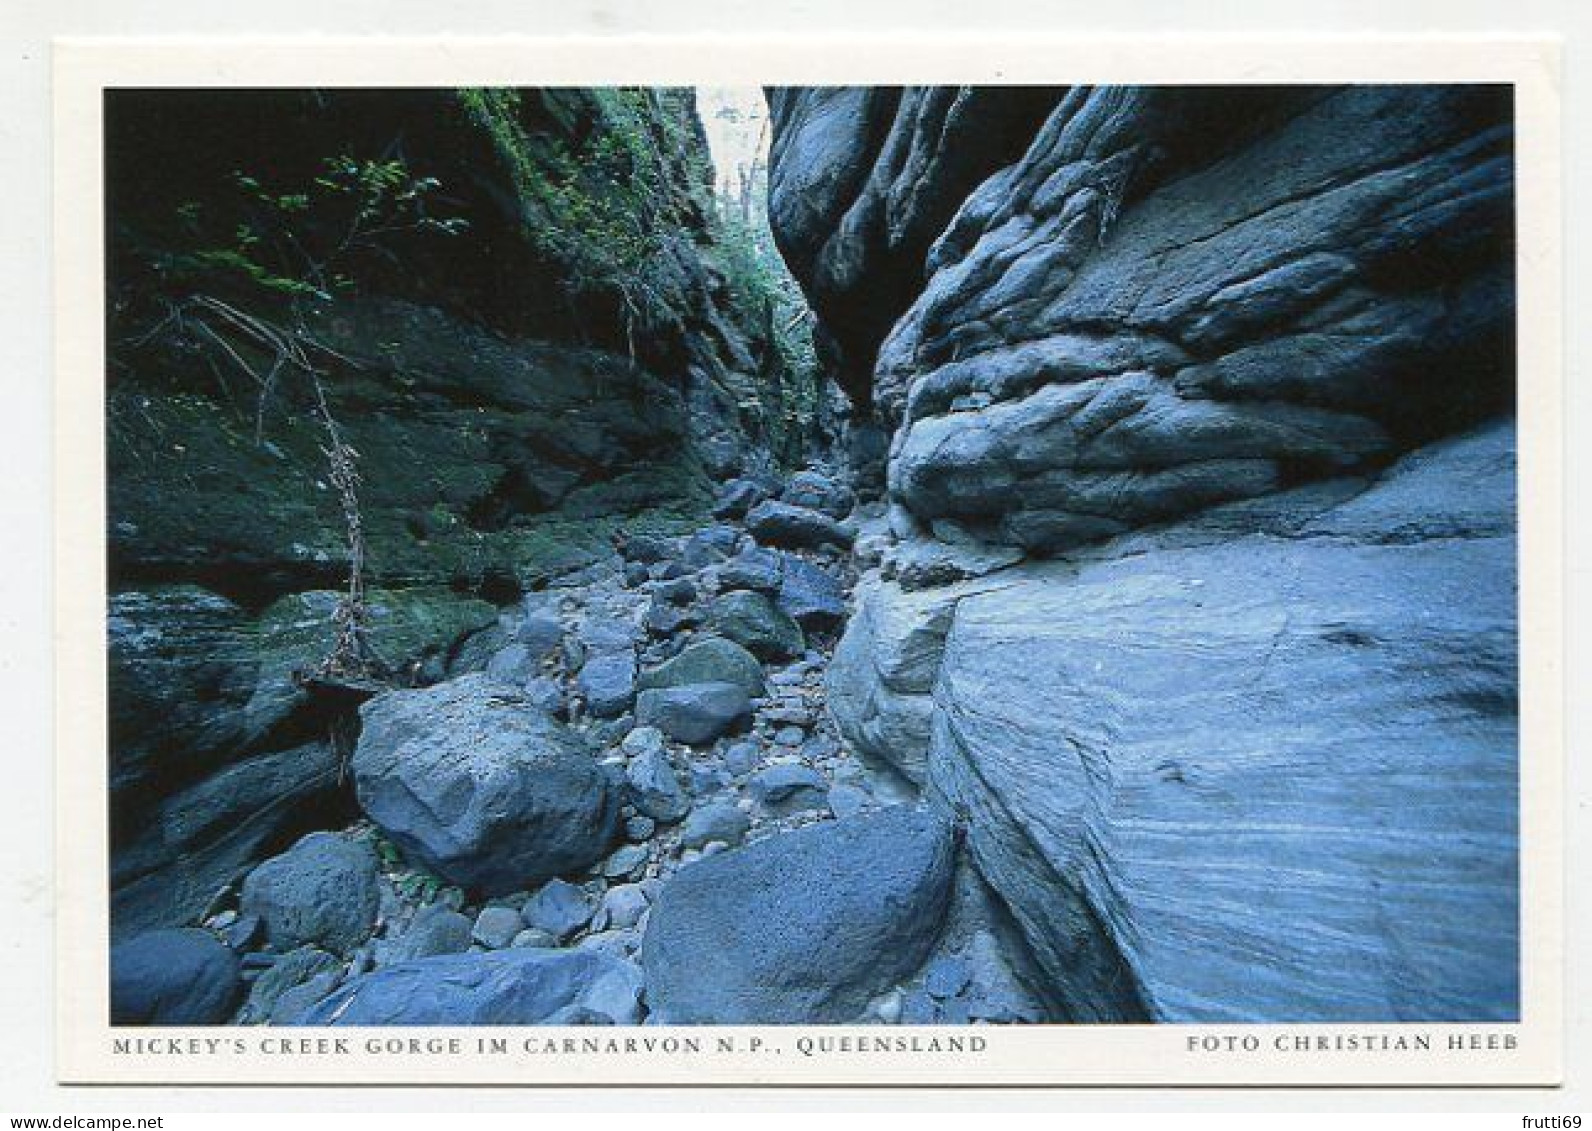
559,907
811,596
518,986
1299,744
695,713
608,684
819,492
712,659
757,624
781,524
183,976
322,891
482,788
654,788
801,928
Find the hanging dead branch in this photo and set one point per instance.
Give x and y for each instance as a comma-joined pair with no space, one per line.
237,337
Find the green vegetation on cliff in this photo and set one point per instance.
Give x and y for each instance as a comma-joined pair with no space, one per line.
452,337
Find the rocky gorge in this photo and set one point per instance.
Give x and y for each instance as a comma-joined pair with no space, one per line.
1136,641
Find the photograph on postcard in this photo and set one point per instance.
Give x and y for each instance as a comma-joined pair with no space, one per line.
938,555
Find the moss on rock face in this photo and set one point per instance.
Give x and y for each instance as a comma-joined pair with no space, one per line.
408,627
608,180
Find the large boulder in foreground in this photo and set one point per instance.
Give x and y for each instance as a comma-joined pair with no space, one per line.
177,977
524,986
479,786
322,891
804,927
1274,778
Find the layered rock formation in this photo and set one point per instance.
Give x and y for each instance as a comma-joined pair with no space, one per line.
1239,361
862,180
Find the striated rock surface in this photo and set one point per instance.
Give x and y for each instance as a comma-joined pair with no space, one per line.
1137,339
1256,767
1175,298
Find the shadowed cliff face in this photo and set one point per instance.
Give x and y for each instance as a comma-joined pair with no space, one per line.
1242,360
573,359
